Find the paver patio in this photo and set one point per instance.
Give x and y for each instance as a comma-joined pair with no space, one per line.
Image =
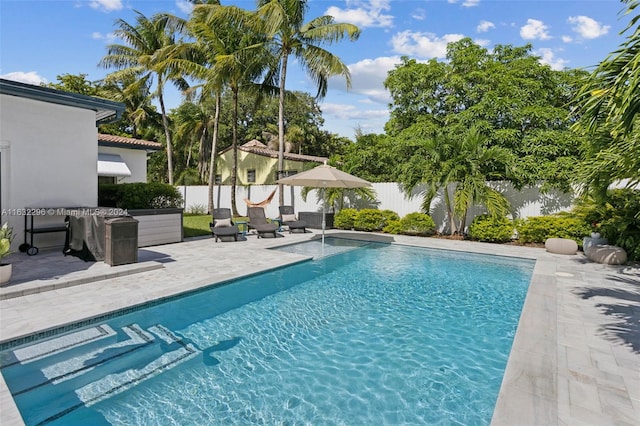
575,358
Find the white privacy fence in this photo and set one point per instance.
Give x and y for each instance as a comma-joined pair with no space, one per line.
389,196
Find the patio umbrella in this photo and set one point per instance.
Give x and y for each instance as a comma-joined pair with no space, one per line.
324,177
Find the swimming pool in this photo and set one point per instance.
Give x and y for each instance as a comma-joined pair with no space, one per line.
380,334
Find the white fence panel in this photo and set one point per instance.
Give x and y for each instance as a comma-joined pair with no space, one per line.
389,196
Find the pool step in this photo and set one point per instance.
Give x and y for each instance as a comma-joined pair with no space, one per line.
96,374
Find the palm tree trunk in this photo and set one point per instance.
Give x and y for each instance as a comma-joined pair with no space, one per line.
165,124
202,166
283,76
452,220
234,145
212,164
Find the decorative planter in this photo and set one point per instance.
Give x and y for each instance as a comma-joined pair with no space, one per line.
5,273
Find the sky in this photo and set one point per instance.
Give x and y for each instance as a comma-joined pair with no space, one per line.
41,39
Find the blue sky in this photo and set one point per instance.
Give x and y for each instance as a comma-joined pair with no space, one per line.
40,39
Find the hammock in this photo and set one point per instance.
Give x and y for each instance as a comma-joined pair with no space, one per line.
262,203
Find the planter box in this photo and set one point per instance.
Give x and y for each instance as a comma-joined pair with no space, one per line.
314,219
158,226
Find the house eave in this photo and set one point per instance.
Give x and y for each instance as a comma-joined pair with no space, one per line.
106,111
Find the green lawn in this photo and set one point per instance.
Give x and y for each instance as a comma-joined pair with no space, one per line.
196,225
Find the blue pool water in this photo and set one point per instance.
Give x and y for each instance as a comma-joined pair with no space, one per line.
382,334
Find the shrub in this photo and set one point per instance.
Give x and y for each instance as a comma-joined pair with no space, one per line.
389,215
491,229
393,227
618,219
344,218
537,229
139,195
197,209
369,220
417,224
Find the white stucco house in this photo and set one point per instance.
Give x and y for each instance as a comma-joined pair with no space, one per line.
51,154
122,160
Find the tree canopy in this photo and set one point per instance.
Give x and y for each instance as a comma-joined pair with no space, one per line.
518,103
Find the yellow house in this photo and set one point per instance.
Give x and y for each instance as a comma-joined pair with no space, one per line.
258,165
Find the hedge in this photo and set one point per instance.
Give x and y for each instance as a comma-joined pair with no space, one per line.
139,195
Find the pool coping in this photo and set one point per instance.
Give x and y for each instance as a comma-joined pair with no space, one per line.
541,384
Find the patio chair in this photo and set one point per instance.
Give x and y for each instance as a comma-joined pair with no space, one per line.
258,221
222,225
289,219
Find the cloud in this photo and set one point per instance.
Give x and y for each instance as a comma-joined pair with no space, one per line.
534,30
567,39
547,57
30,77
422,45
485,26
184,6
106,5
587,27
109,37
466,3
352,112
363,13
419,14
368,76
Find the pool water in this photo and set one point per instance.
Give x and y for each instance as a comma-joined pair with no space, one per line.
383,334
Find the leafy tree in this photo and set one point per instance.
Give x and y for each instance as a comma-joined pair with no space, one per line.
608,106
518,103
288,35
371,157
143,57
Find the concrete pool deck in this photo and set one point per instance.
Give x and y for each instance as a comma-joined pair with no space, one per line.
575,359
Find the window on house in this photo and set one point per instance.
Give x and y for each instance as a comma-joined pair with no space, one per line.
251,176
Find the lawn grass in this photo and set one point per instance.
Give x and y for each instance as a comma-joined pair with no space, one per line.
196,225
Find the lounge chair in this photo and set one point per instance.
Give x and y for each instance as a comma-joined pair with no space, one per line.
222,225
258,221
289,219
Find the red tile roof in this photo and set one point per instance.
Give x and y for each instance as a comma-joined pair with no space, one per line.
129,142
256,147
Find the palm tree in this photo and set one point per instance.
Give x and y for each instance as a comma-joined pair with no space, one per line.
608,108
471,176
288,35
459,164
143,56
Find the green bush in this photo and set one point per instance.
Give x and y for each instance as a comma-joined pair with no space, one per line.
393,227
369,220
491,229
389,215
139,195
344,218
417,224
618,219
537,229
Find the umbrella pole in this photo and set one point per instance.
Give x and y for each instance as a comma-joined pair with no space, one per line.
324,222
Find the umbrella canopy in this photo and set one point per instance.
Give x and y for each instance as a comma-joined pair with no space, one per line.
324,176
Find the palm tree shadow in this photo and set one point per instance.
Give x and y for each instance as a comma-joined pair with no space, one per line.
223,345
623,310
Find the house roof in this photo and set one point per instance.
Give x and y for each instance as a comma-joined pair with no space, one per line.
106,110
122,142
256,147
